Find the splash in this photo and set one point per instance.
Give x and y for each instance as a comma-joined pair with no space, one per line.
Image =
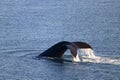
88,55
88,52
77,59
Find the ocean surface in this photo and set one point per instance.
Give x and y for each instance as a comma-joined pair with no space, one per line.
28,27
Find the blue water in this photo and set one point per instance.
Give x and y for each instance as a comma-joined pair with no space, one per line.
28,27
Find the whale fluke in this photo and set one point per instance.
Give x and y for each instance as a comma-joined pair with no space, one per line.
82,45
57,50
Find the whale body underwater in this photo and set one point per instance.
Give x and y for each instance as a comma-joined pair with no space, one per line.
58,50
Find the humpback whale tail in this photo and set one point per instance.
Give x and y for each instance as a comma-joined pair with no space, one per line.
57,50
85,49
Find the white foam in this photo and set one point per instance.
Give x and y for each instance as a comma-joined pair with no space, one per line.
87,52
76,59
